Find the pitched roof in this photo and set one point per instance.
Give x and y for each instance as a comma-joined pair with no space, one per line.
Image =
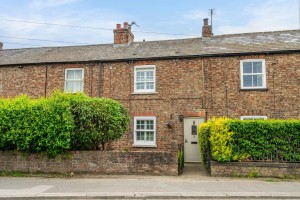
216,45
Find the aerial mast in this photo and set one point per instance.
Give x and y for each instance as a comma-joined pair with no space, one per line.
211,13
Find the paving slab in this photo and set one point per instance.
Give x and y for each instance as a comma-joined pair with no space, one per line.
193,184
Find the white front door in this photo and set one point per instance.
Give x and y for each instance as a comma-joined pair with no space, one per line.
191,143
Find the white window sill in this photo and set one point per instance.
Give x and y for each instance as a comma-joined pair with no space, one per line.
144,93
73,92
255,88
145,146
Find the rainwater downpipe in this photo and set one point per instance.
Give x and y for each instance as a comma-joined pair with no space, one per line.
99,78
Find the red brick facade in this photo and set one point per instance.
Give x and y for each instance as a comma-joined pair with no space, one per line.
193,87
224,97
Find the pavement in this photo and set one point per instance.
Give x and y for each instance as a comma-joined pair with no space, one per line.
192,184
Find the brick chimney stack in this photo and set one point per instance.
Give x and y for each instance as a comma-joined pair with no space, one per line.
123,35
206,29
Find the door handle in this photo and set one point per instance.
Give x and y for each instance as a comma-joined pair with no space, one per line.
185,141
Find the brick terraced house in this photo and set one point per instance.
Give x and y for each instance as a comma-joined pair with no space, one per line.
168,86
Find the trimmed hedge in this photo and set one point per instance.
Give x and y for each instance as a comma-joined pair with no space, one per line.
35,125
59,123
274,140
237,140
203,137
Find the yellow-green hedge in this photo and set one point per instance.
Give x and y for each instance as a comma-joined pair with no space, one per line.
237,140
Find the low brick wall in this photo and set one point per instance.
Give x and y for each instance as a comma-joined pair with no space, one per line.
255,169
99,162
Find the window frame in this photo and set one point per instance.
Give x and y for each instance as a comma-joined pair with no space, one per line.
253,117
264,75
144,143
144,91
78,80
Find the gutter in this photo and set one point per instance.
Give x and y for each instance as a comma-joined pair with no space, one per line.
164,57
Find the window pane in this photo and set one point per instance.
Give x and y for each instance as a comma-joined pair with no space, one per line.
257,67
74,74
151,136
138,135
150,76
78,74
70,74
69,86
247,80
140,86
145,136
149,86
247,67
142,74
142,124
138,77
150,127
74,86
257,80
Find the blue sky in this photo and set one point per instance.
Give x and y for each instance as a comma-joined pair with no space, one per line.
161,16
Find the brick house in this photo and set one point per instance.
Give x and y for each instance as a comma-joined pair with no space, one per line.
168,86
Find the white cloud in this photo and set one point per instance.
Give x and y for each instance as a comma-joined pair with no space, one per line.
272,15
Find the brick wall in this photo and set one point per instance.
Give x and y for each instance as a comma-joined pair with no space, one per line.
100,162
184,87
255,169
41,80
223,96
179,88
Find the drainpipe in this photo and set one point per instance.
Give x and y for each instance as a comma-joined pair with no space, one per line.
99,78
46,80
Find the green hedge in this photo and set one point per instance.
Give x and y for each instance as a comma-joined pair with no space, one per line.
98,121
264,140
203,136
35,125
59,123
276,140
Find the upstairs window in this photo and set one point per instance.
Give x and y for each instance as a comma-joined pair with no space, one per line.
253,74
144,79
74,80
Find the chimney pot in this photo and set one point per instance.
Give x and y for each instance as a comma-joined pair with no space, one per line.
205,21
118,26
125,25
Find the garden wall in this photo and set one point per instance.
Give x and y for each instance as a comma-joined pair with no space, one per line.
98,162
255,169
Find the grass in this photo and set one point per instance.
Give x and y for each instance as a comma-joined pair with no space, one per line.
37,174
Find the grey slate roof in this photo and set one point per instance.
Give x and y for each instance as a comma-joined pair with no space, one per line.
222,44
